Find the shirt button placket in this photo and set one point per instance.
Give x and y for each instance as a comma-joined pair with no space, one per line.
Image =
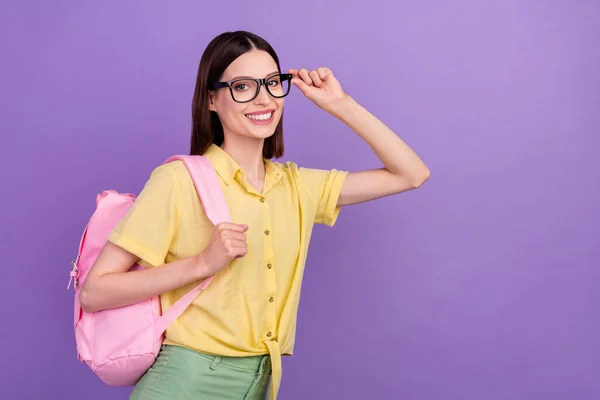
270,272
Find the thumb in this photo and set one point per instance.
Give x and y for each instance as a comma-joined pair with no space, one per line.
300,84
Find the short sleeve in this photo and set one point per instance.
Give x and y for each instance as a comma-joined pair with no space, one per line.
325,187
148,228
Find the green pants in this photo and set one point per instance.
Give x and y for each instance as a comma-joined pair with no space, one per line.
181,373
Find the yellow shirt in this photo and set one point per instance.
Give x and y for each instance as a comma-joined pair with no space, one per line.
250,307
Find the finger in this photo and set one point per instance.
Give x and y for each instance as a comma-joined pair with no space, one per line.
299,83
232,227
231,244
314,75
323,73
238,244
234,235
303,73
238,248
293,71
239,253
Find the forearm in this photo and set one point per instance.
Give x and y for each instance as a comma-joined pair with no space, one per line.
397,157
121,289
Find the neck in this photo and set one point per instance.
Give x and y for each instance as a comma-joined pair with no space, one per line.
248,153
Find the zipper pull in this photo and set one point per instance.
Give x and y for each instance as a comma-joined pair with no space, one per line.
73,274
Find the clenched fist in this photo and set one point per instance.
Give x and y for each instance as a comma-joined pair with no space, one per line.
227,243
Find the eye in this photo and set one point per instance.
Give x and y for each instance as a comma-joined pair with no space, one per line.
240,87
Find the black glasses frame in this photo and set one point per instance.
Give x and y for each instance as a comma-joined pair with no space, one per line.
259,83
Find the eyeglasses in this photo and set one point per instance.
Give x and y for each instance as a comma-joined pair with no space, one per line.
246,89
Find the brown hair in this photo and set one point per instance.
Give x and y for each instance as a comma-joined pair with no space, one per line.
220,52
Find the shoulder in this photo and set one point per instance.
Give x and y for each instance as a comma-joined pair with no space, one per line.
170,177
306,179
290,173
174,170
290,168
299,172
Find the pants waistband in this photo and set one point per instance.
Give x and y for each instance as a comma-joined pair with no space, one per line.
250,363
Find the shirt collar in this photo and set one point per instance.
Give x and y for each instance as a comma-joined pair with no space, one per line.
228,168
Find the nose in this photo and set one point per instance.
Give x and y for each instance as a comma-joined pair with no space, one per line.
263,96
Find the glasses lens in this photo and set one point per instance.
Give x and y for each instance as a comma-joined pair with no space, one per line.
244,90
278,87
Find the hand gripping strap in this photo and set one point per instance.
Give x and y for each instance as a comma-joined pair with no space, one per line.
211,196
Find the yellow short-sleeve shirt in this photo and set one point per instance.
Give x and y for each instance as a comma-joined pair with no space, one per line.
250,307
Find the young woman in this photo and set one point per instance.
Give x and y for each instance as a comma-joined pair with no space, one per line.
228,343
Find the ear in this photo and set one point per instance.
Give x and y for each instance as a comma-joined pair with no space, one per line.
211,102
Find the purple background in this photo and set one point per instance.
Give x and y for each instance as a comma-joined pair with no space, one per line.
483,284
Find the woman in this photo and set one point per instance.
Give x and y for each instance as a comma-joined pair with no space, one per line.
228,343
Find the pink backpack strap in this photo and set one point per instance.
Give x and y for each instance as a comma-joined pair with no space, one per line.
211,196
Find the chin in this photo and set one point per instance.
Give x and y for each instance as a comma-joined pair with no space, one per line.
262,131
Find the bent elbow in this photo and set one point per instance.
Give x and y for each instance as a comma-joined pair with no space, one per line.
424,177
85,300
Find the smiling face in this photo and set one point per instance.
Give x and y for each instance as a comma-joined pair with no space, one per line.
257,118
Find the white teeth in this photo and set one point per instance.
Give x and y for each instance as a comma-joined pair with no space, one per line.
260,117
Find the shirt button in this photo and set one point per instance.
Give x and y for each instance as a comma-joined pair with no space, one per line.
269,266
269,334
262,199
267,232
271,299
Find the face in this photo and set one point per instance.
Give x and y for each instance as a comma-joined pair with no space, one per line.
257,118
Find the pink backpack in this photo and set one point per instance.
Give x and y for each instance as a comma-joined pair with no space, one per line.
120,344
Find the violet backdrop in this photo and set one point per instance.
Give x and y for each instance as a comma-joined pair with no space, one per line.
482,284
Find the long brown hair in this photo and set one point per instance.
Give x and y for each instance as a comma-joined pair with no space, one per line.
220,52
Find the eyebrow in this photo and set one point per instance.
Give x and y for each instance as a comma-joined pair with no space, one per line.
249,77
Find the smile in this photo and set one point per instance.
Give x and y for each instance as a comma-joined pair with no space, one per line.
260,117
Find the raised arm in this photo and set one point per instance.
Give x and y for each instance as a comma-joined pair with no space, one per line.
402,168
